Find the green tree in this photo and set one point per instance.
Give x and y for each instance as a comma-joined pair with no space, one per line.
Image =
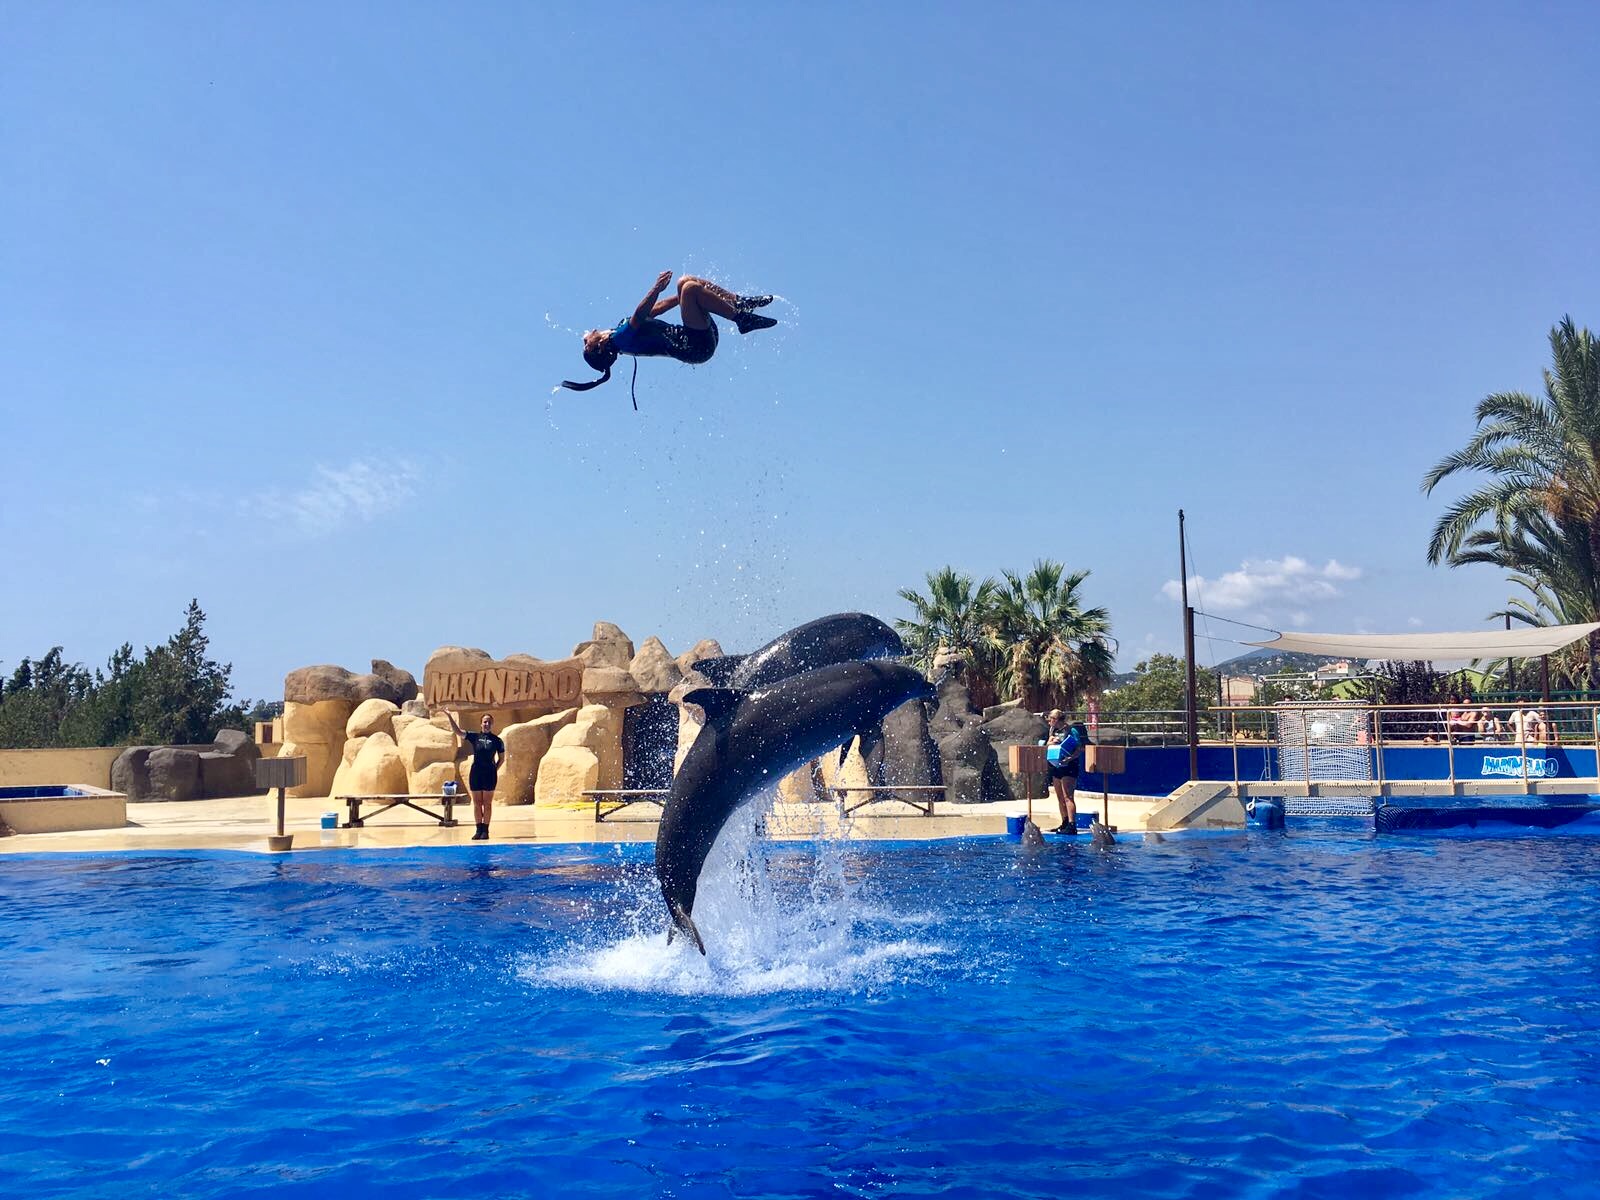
1536,515
1158,686
175,693
1049,647
183,694
954,616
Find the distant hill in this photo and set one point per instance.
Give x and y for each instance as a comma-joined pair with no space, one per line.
1255,663
1273,662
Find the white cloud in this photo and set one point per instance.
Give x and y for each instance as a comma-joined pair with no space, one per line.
1268,585
338,496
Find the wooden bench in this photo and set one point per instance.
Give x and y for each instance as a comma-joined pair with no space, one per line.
921,796
390,800
620,798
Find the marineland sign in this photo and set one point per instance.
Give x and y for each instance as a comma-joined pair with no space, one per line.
465,681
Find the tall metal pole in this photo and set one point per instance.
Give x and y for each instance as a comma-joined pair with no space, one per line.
1191,727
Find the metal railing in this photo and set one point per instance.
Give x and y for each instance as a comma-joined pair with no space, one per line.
1518,728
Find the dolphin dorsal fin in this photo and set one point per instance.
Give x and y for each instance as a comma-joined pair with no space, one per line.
718,670
717,702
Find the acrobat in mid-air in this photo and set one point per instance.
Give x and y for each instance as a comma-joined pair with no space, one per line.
645,335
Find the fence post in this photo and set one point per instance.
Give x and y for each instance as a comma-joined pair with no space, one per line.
1305,742
1450,752
1377,738
1233,729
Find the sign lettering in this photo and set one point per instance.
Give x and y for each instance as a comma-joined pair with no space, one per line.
463,681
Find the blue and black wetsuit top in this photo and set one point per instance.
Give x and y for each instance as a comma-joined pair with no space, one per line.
1068,761
662,339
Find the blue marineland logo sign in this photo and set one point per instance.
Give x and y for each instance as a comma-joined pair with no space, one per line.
1511,764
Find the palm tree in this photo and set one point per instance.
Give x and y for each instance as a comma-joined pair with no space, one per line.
1538,514
1050,646
953,616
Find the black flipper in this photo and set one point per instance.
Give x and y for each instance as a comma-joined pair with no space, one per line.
719,670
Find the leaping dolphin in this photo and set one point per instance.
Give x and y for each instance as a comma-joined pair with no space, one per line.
842,637
752,740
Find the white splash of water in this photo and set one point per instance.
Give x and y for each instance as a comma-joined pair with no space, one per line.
771,923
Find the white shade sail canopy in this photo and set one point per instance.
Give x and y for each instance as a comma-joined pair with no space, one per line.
1527,642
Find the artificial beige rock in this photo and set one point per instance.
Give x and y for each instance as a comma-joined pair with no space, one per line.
653,668
597,729
430,780
809,783
403,683
376,770
352,747
527,743
470,682
690,722
372,716
422,744
609,647
317,729
703,649
325,681
611,686
402,720
565,773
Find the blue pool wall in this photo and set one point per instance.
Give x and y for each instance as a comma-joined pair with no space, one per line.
39,792
1162,770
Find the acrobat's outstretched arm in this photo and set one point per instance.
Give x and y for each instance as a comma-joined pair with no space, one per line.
647,306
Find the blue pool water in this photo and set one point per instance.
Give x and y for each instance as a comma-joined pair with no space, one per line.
1272,1015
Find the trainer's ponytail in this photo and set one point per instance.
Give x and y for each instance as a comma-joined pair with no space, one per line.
600,358
584,387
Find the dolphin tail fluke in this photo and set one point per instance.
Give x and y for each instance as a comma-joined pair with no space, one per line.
682,920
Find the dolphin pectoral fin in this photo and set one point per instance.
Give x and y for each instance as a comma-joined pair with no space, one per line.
716,702
718,670
682,920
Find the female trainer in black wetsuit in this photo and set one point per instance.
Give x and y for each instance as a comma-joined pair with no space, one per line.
1064,771
695,341
488,752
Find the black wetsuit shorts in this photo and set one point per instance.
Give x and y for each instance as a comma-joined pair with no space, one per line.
663,339
484,774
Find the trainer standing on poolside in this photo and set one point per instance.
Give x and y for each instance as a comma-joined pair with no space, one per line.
1064,771
488,752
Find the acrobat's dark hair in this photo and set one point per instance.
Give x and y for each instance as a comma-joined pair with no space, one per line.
600,358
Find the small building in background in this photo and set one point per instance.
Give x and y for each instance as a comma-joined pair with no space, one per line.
1239,689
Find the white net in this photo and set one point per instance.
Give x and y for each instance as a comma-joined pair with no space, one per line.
1331,741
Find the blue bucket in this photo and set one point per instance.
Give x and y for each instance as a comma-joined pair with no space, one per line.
330,820
1014,826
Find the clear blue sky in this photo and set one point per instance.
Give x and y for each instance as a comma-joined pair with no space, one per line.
284,289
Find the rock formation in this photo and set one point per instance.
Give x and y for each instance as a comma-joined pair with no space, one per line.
966,757
225,767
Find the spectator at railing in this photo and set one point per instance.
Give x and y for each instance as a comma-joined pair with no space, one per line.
1463,722
1490,726
1528,725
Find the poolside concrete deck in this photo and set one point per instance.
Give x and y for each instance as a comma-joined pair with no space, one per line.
243,823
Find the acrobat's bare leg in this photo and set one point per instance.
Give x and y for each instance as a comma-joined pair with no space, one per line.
697,297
